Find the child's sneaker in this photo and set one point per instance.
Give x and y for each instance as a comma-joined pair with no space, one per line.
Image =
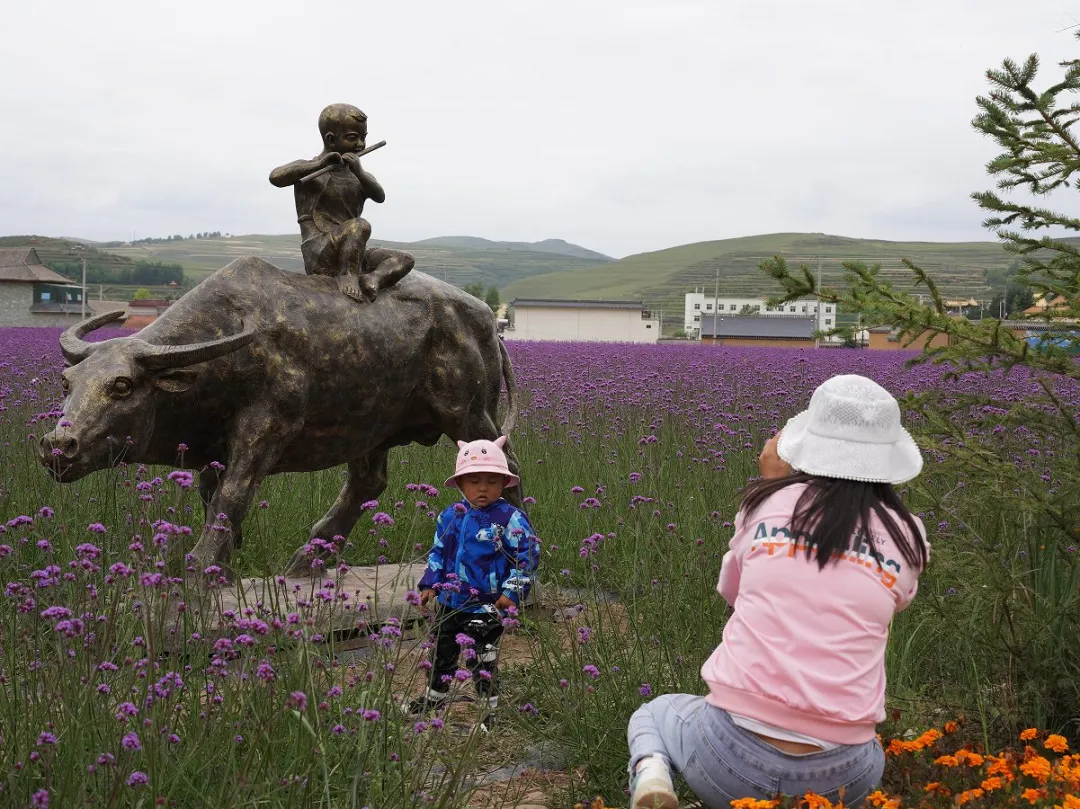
651,786
431,701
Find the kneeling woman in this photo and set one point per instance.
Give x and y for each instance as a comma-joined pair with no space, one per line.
824,554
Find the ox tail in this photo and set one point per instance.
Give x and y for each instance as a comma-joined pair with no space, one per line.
511,391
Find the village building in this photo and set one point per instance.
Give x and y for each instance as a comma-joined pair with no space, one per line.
33,295
886,338
747,330
700,304
582,321
1051,306
30,293
143,313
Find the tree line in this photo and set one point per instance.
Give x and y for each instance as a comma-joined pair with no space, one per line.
140,273
176,237
490,297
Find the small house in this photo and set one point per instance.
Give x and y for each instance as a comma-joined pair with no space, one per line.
142,313
33,295
582,321
885,338
749,330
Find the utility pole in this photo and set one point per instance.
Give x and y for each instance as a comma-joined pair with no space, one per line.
820,303
716,303
82,313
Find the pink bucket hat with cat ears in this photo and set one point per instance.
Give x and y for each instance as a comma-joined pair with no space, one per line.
482,456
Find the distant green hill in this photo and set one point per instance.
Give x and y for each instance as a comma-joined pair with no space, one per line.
662,278
460,260
557,246
556,269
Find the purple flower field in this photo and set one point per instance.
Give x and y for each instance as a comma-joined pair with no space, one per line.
116,689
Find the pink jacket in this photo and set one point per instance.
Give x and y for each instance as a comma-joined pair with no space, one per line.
805,649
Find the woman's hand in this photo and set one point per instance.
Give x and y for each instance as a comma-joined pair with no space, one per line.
772,466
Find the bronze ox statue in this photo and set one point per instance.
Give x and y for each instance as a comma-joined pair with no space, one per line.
265,371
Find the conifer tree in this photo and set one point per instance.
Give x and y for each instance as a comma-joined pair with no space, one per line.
1036,607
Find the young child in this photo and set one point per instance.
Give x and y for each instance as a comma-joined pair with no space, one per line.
330,208
824,554
481,563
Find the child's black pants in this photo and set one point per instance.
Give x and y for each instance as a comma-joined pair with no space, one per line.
484,629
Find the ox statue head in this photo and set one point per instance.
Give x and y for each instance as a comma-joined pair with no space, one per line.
109,390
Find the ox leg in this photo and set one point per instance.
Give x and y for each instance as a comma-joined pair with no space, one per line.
235,490
209,480
366,480
515,495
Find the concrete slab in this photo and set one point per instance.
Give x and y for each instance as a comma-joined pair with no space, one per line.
375,592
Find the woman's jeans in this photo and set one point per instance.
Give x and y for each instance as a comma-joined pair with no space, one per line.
722,762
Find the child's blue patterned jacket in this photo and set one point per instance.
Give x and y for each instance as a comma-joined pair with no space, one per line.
480,554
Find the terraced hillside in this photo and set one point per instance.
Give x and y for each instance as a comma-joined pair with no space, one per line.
458,259
663,277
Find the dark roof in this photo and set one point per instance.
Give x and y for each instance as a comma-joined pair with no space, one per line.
1030,325
565,303
1036,325
764,326
23,264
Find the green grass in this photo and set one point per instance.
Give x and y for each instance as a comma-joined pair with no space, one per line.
662,437
663,277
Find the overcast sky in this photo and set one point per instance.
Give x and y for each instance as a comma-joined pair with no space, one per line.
621,125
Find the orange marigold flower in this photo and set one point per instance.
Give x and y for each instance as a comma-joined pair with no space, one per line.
1037,767
969,758
951,727
937,786
1028,734
881,800
968,795
1056,743
895,748
814,801
992,783
947,761
1032,795
999,765
1070,802
1068,770
754,803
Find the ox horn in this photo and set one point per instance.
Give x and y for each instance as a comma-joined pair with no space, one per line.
71,341
157,356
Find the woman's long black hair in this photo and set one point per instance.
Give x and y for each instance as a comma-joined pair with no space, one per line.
830,511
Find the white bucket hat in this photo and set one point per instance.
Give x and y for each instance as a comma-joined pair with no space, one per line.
851,430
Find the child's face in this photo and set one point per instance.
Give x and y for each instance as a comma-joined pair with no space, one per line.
481,488
347,136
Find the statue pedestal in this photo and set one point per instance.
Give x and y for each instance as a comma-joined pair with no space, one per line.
337,601
345,608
